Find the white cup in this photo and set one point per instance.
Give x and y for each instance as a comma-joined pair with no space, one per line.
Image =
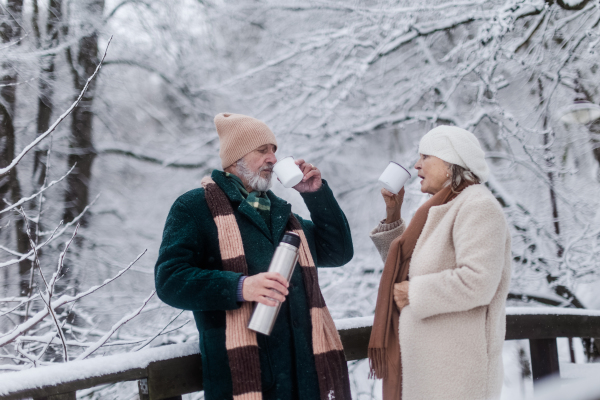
288,172
394,177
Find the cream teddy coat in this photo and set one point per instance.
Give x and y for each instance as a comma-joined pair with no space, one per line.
452,331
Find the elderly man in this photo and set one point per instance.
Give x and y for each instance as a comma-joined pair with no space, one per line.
217,244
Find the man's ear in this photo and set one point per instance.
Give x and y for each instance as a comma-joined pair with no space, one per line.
231,168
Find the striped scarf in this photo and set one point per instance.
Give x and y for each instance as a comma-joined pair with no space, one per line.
241,343
258,200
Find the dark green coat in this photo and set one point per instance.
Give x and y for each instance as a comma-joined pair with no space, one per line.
189,275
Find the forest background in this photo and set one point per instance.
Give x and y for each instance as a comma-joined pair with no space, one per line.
347,85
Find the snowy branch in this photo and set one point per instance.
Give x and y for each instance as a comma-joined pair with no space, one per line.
60,302
44,135
114,328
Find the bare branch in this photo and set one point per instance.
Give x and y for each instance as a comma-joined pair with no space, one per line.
53,235
150,339
33,196
150,159
124,3
41,137
114,328
61,260
61,301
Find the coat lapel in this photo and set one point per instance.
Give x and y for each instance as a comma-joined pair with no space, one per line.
280,213
238,202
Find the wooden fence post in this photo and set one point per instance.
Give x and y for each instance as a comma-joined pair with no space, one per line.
143,389
544,358
169,379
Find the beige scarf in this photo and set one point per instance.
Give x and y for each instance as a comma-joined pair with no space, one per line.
241,343
384,346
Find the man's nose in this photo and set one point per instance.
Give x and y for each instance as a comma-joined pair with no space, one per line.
271,158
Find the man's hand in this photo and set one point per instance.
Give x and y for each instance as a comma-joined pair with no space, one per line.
265,288
401,294
393,202
312,177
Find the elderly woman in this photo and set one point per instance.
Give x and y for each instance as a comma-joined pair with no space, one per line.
439,320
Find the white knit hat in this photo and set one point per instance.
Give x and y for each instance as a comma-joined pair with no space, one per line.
456,146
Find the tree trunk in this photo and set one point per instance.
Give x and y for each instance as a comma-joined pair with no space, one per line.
46,85
81,147
82,150
10,188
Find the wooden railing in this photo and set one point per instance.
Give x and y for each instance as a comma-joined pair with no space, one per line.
167,372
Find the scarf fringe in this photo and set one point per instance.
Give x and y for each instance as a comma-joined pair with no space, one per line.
378,368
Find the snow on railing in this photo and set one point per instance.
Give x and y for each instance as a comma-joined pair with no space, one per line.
541,325
12,382
551,311
352,323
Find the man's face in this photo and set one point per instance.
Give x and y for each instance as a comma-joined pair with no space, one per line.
255,168
262,159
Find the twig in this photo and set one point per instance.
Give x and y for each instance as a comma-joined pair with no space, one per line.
27,302
33,246
53,235
149,340
26,199
154,160
26,150
76,219
39,221
123,3
27,356
30,253
14,253
47,299
61,301
114,328
61,260
46,346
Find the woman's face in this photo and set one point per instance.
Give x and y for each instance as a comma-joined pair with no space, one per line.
434,173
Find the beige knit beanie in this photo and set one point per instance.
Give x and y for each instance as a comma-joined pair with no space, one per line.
239,135
456,146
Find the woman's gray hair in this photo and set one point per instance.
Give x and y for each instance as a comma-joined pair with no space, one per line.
460,174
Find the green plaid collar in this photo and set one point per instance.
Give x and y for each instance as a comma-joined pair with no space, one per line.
259,200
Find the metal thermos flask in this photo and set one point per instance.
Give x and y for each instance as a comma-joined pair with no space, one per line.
284,261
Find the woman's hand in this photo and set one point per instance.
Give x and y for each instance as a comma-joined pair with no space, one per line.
393,202
401,294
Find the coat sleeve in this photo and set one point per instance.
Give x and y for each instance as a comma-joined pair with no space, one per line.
384,234
479,236
181,279
329,228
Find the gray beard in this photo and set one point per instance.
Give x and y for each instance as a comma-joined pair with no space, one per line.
255,181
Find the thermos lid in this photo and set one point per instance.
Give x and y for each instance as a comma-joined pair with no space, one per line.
291,238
